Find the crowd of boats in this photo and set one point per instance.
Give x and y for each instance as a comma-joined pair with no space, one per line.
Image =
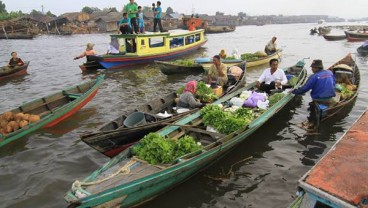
130,178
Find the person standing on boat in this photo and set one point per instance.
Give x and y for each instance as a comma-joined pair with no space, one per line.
140,20
272,77
88,52
132,9
157,20
15,61
271,46
187,99
124,24
322,83
218,72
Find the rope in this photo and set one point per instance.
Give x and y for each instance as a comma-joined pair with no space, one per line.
80,192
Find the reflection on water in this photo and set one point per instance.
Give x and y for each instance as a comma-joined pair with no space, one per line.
38,169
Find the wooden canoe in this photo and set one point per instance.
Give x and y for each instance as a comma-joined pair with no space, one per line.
207,62
127,181
7,71
337,180
54,108
219,29
320,113
91,65
334,37
113,137
171,68
355,36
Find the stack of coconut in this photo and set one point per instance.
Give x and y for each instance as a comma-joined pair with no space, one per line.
10,121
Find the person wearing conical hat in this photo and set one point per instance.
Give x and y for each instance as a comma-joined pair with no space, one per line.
88,52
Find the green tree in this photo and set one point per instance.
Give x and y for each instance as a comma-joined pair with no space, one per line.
11,15
35,12
169,10
90,10
2,7
50,14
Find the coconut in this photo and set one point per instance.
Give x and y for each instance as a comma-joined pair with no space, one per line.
23,123
8,116
14,125
3,123
2,131
26,116
8,129
34,118
18,117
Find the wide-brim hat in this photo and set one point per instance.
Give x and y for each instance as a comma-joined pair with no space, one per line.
317,64
90,46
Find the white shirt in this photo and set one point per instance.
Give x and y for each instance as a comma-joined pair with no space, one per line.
278,75
112,50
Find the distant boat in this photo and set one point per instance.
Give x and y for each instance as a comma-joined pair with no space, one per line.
219,29
321,21
7,71
334,37
356,36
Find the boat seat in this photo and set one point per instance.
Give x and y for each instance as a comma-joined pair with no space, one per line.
72,95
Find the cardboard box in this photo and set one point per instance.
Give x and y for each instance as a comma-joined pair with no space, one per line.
218,91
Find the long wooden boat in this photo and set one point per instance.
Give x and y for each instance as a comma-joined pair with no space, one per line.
113,137
207,62
146,48
362,50
219,29
16,36
7,71
128,181
320,112
339,178
356,36
54,108
170,68
334,37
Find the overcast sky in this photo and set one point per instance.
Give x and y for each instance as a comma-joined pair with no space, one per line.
340,8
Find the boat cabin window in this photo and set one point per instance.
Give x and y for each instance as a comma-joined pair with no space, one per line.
197,37
155,42
121,42
176,42
142,42
131,45
189,40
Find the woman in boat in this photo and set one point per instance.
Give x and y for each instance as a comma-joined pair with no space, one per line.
271,46
15,61
217,72
222,54
113,47
88,52
187,100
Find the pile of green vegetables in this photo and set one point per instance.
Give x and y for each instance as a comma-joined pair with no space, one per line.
205,93
249,57
275,98
293,81
345,92
155,149
184,62
230,58
226,122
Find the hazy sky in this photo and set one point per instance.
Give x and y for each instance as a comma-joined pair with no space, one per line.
340,8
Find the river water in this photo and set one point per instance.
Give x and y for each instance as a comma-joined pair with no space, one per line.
38,169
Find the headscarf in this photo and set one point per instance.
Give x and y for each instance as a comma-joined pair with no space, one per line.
191,87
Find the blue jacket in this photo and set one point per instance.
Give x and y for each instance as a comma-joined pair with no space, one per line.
322,85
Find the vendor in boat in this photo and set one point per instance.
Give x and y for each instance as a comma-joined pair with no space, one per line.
322,83
15,61
187,99
88,52
217,72
272,78
222,54
271,46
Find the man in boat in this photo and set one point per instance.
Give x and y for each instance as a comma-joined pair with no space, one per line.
157,19
271,46
217,72
187,99
88,52
132,9
222,54
322,83
124,24
272,78
15,61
